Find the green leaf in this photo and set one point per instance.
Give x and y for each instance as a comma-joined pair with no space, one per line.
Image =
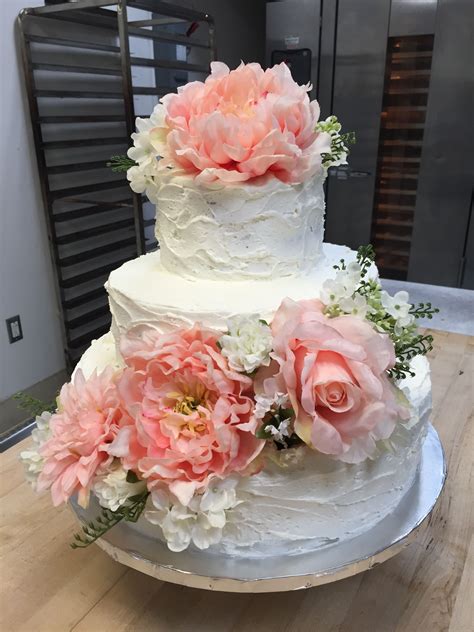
120,164
365,258
132,477
262,433
107,519
423,310
286,413
33,405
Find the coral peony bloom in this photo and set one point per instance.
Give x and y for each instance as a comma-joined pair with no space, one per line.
193,415
82,429
239,125
334,370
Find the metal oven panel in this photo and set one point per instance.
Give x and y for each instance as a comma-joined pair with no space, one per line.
440,248
412,18
362,28
293,25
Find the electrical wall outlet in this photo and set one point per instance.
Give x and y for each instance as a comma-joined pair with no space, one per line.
15,332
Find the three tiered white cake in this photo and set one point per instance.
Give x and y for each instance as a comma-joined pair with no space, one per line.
258,394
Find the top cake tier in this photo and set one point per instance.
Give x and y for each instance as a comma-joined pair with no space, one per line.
239,232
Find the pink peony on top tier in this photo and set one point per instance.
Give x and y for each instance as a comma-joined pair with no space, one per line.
235,126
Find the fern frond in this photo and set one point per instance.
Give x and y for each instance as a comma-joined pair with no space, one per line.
33,405
92,531
120,164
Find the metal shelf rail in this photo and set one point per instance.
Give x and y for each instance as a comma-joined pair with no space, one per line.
89,66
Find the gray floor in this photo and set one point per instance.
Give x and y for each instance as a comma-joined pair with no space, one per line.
456,306
12,416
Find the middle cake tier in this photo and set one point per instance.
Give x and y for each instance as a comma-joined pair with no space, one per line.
143,292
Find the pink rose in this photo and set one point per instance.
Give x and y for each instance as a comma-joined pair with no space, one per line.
83,428
334,370
241,124
192,414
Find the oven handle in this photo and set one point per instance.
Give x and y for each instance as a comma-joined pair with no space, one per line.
343,172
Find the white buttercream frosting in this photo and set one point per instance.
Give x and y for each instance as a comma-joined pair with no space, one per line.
318,500
313,501
267,230
142,292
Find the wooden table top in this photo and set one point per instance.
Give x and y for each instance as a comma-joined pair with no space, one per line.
429,586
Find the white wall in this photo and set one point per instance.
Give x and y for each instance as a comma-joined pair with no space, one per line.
26,277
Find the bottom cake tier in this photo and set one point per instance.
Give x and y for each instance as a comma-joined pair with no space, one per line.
303,500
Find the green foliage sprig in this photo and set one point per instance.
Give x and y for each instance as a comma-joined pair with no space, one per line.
339,142
33,405
92,531
120,164
423,310
408,342
365,258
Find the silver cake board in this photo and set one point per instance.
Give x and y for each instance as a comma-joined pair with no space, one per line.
203,569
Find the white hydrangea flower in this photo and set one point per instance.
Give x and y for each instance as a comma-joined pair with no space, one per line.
398,307
148,146
200,522
355,305
248,343
31,458
138,180
148,141
265,403
112,488
343,285
141,183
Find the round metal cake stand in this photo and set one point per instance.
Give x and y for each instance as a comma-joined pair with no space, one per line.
201,569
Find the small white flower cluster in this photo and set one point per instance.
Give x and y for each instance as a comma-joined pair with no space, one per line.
341,291
339,150
272,403
147,143
280,432
248,343
113,490
398,306
31,458
265,403
200,522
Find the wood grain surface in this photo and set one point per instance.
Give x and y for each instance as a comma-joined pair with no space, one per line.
428,587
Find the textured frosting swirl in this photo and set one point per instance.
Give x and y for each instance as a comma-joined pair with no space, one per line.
142,291
266,230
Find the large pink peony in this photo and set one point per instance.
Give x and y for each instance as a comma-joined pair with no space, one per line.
239,125
192,414
334,370
83,428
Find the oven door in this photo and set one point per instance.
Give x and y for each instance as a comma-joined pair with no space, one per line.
402,82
